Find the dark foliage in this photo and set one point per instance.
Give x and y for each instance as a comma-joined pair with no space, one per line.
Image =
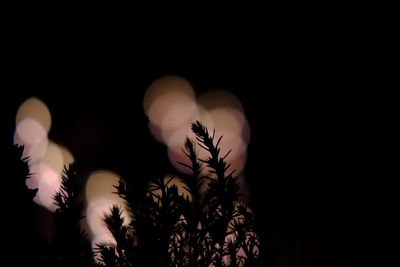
20,223
71,245
171,229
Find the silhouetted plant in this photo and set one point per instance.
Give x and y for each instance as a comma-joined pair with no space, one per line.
72,247
21,245
22,173
170,229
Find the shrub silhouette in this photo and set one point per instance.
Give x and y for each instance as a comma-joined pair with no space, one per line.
168,228
21,245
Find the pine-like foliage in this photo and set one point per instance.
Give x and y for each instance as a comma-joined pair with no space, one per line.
21,242
170,229
71,245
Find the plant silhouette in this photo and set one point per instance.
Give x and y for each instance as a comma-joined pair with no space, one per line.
168,227
171,229
72,247
22,242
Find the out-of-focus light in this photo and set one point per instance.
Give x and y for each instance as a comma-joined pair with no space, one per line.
169,102
181,109
177,136
35,151
214,99
156,132
171,113
35,109
228,119
165,85
101,183
49,185
172,110
67,156
246,132
173,180
53,157
237,164
30,131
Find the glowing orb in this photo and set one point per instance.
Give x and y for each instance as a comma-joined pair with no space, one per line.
67,156
53,157
101,183
49,184
214,99
35,109
30,131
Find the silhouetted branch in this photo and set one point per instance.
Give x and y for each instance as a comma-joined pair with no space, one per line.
71,244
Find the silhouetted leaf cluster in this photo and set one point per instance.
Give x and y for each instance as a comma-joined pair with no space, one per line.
19,221
71,245
212,228
170,229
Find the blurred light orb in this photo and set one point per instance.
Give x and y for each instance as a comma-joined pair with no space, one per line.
49,184
35,109
172,109
67,156
35,151
165,85
214,99
228,119
101,183
53,158
181,109
30,131
169,102
177,137
156,132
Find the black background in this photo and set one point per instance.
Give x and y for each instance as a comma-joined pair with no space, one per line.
315,166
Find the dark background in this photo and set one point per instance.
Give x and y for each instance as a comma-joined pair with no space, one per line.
315,166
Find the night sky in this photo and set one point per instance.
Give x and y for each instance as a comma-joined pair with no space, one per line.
311,168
